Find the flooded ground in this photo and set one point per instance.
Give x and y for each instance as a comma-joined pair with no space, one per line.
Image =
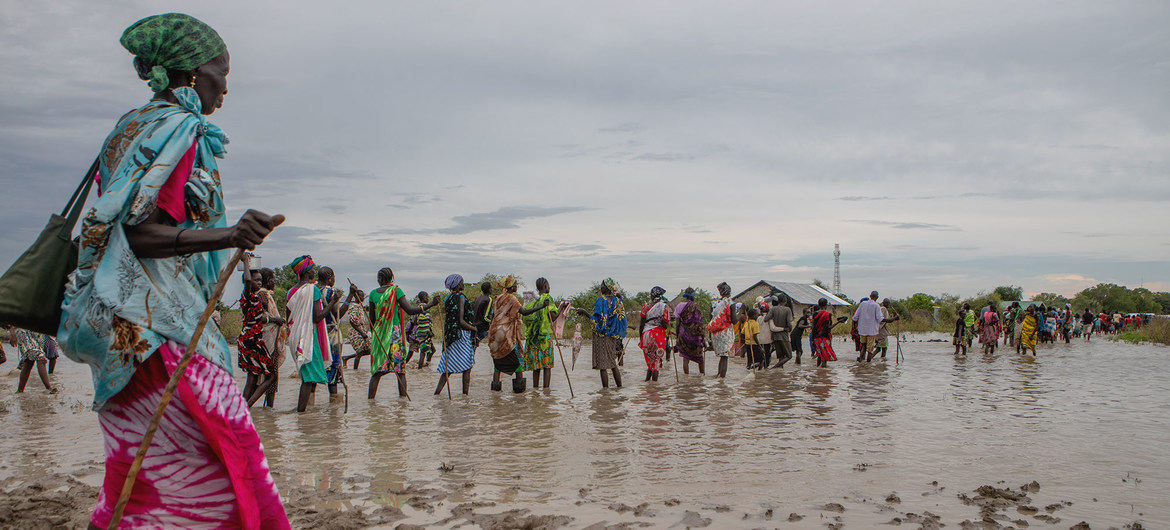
853,445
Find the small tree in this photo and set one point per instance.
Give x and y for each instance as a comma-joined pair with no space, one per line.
1050,299
1009,293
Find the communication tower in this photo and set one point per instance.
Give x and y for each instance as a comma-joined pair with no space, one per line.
837,269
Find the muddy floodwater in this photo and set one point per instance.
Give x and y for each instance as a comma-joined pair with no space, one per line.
856,445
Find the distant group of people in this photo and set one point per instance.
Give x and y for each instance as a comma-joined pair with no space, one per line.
1024,328
521,332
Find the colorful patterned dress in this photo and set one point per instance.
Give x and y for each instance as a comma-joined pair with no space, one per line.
388,348
458,353
609,325
126,317
538,352
722,334
822,336
307,339
425,334
690,332
358,321
254,357
653,341
30,345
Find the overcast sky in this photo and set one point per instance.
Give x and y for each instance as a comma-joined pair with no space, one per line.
947,146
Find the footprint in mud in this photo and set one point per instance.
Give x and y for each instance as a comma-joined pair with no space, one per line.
833,507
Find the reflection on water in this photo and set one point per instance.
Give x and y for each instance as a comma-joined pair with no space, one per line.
1077,419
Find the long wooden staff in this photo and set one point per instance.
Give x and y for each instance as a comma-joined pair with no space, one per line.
447,380
898,344
340,368
566,368
147,438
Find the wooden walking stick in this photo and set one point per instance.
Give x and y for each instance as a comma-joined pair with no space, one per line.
898,344
148,437
566,368
447,376
341,366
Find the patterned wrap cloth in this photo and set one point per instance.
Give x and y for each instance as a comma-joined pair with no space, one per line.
127,317
388,348
458,353
118,308
538,335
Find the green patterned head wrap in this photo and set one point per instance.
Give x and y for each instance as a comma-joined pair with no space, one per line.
172,41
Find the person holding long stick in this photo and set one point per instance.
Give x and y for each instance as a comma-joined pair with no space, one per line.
359,328
150,257
308,339
388,309
691,332
326,279
538,333
458,351
652,326
609,325
275,335
255,357
506,334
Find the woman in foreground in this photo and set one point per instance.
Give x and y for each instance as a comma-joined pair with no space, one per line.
150,255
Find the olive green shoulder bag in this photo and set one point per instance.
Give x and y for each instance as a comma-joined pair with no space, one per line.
32,290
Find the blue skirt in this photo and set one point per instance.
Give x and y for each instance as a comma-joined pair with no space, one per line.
458,356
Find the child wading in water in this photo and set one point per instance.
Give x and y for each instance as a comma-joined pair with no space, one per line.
388,307
964,323
423,332
750,337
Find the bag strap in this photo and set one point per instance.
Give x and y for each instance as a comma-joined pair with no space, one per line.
72,210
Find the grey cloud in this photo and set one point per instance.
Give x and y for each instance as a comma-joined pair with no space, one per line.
579,248
901,225
922,247
665,157
501,219
410,200
854,198
623,128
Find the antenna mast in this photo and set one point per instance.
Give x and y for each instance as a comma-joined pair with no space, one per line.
837,269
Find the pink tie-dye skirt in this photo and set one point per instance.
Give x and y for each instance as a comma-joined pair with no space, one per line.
205,467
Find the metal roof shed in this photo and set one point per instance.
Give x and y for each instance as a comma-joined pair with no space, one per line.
800,293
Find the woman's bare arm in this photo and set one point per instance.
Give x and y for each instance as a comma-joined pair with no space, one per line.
155,238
